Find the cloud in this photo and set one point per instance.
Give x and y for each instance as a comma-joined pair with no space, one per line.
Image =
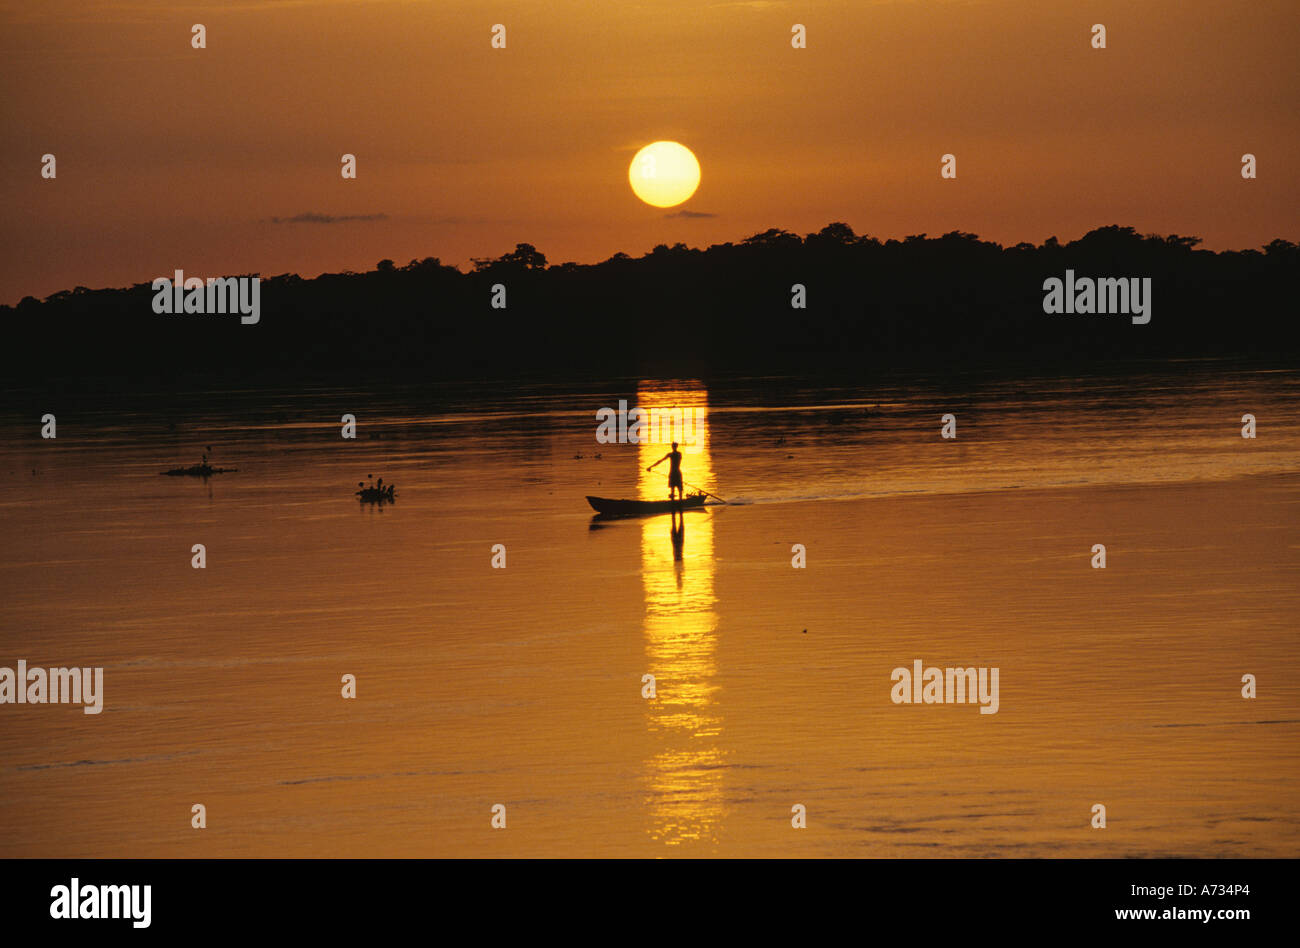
685,213
311,217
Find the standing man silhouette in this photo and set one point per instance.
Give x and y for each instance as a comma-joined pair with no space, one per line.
674,459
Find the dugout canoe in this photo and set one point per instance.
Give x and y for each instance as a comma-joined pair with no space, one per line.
641,508
198,470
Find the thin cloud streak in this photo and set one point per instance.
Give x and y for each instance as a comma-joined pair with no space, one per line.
311,217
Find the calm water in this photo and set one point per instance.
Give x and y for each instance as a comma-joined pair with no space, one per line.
522,686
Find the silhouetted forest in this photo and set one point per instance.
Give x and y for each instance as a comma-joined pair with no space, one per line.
953,299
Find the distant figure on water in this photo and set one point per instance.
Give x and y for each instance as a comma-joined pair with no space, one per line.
674,459
375,493
202,469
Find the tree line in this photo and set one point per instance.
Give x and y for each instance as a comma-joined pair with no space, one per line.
951,299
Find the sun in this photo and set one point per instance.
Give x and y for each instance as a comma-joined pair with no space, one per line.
664,174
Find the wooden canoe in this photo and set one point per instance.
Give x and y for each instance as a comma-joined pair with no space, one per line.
641,508
199,470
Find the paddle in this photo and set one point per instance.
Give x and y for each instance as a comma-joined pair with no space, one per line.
693,487
703,491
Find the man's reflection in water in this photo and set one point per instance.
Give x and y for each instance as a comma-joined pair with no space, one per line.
678,534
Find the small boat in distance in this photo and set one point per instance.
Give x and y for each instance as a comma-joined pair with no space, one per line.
642,508
375,493
202,469
199,470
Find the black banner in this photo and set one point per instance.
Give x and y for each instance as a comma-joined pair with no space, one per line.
952,899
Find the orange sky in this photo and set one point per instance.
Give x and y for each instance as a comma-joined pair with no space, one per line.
170,157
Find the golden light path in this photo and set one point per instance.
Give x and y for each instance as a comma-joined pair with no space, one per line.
684,779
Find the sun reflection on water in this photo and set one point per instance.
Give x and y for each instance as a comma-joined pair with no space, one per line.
684,779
